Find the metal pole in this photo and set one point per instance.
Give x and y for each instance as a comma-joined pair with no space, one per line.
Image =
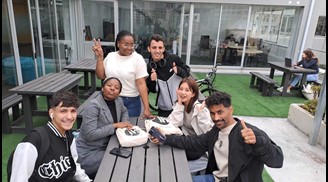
319,113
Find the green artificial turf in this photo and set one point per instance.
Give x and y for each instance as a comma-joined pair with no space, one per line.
248,101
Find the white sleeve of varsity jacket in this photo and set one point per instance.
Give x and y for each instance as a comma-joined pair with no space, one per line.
80,174
23,162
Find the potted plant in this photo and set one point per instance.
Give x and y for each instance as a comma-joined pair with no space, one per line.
302,116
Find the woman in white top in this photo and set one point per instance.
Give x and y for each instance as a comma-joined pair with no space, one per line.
193,118
129,67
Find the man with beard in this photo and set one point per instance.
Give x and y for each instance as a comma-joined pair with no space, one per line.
237,150
166,70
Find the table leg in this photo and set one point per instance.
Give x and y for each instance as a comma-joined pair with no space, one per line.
272,72
75,89
27,100
303,80
86,81
285,81
93,82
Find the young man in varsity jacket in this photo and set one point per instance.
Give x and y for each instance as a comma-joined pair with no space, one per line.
59,162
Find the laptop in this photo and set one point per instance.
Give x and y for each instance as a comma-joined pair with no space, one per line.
288,62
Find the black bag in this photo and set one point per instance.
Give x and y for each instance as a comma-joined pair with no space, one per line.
45,144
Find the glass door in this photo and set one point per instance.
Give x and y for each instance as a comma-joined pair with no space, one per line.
98,22
51,32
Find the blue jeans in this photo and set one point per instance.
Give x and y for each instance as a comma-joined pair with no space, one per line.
298,77
133,104
203,178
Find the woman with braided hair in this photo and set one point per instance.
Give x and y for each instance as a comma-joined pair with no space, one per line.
129,67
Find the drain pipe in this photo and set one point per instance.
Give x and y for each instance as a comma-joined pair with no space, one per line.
306,28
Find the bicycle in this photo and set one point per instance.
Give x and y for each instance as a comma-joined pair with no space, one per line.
205,86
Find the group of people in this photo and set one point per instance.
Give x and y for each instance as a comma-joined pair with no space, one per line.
220,146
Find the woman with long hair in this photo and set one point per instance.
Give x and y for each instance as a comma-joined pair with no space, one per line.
309,61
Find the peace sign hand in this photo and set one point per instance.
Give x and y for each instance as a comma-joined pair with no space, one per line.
96,48
201,107
247,133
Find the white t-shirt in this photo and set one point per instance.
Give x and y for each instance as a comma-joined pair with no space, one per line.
221,152
127,69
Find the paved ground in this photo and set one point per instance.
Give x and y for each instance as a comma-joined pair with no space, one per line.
302,161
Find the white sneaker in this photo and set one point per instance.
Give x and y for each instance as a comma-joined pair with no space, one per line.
288,90
280,89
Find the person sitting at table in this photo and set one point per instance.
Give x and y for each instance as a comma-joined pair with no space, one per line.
101,117
193,118
59,161
237,150
309,61
228,52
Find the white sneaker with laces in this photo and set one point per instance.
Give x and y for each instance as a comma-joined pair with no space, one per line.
288,90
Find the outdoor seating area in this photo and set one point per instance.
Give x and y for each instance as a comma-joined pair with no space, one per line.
264,83
45,85
11,102
232,84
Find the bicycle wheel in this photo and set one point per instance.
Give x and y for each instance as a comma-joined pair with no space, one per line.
208,91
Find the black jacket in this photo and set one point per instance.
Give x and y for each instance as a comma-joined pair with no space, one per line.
167,81
163,69
246,162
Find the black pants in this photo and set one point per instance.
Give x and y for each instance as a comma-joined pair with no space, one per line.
164,113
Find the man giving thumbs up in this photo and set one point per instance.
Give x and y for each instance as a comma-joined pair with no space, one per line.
237,150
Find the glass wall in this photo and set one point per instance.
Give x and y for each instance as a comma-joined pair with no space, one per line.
98,23
260,33
9,75
232,34
156,18
274,29
204,33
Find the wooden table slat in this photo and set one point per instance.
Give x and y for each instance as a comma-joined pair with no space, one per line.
152,159
167,164
106,166
148,163
137,164
181,165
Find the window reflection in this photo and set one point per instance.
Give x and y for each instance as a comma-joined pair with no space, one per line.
99,20
156,18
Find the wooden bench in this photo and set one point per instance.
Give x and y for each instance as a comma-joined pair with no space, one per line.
13,102
264,83
81,108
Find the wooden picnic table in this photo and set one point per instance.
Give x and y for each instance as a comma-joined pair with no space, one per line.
45,85
148,163
288,71
87,66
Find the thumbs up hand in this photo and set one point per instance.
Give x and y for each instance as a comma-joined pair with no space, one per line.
247,134
174,68
153,75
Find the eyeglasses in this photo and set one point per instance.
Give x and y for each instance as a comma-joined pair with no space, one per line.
129,45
